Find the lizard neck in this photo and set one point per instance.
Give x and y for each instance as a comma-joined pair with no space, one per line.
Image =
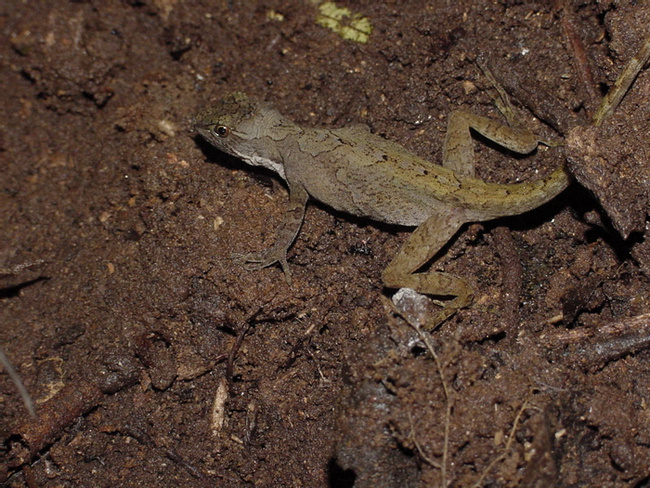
274,137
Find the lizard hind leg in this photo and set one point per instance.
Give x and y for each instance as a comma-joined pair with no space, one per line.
458,148
421,246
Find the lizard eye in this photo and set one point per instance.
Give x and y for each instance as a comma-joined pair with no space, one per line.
222,131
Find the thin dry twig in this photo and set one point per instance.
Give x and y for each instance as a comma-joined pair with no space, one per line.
511,272
413,437
247,325
11,371
445,451
593,348
622,84
579,56
145,439
15,377
235,347
508,446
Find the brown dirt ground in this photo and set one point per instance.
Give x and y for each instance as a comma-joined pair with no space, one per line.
156,361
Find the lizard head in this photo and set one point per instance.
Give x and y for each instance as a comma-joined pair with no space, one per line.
229,121
241,127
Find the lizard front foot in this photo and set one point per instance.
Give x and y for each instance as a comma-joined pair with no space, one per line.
253,261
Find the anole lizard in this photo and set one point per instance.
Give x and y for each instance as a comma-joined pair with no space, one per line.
354,171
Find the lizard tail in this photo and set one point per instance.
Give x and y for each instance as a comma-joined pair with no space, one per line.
501,200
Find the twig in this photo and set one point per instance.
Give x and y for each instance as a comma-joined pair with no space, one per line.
594,348
15,377
506,450
580,57
622,84
235,348
511,272
145,439
445,450
248,323
11,371
300,343
413,437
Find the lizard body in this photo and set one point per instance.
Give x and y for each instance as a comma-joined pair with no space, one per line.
360,173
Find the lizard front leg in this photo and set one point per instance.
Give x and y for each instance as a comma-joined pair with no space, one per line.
286,234
421,246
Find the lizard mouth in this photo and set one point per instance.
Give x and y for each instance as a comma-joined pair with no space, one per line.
201,128
204,131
